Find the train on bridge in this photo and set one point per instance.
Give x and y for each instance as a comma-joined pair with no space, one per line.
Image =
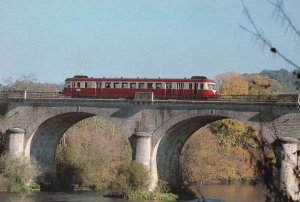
196,87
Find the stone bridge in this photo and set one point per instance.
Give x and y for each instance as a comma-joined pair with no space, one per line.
157,129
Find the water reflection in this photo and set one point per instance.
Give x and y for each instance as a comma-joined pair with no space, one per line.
55,197
228,193
233,193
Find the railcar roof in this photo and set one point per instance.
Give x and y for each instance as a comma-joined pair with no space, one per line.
140,79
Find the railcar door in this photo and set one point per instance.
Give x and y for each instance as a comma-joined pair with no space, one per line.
169,90
99,88
195,89
180,90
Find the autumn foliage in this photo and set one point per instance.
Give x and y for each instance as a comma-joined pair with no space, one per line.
90,153
233,83
206,161
228,150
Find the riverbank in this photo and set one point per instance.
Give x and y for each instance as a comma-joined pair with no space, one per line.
221,192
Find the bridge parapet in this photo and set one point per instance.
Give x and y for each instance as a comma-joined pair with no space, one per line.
24,95
281,99
144,96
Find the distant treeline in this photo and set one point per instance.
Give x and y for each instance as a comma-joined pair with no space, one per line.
286,78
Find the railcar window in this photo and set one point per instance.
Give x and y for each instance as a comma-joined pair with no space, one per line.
141,85
89,84
68,84
78,84
201,86
107,85
99,84
169,85
132,85
190,86
73,84
85,84
117,85
149,85
180,85
209,86
124,85
158,85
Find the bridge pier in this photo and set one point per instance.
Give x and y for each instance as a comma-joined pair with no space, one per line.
15,142
289,169
142,150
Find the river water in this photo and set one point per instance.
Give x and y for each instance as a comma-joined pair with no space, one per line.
228,193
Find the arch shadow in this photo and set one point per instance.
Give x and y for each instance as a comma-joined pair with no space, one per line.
46,137
169,149
170,146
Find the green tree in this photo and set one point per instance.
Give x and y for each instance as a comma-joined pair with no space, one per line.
132,176
18,173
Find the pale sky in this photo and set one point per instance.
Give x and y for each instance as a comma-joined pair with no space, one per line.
56,39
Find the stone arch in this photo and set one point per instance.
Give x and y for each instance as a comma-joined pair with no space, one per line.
169,149
177,133
41,145
45,138
241,116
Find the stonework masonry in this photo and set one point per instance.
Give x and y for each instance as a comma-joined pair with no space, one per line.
157,130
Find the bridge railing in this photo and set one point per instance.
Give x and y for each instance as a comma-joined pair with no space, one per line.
144,96
29,95
12,94
280,98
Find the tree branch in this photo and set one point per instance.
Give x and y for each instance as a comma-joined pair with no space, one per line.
279,7
258,34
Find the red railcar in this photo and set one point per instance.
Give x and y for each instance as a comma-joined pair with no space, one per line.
162,88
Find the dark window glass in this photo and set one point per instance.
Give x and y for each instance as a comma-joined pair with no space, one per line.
169,85
201,85
117,85
158,85
149,85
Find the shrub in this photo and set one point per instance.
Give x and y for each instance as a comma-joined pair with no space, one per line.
130,177
18,173
162,187
148,195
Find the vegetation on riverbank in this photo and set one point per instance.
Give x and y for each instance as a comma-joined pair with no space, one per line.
132,183
17,174
234,154
89,155
147,195
94,154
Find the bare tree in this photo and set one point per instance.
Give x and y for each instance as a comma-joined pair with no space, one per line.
288,25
